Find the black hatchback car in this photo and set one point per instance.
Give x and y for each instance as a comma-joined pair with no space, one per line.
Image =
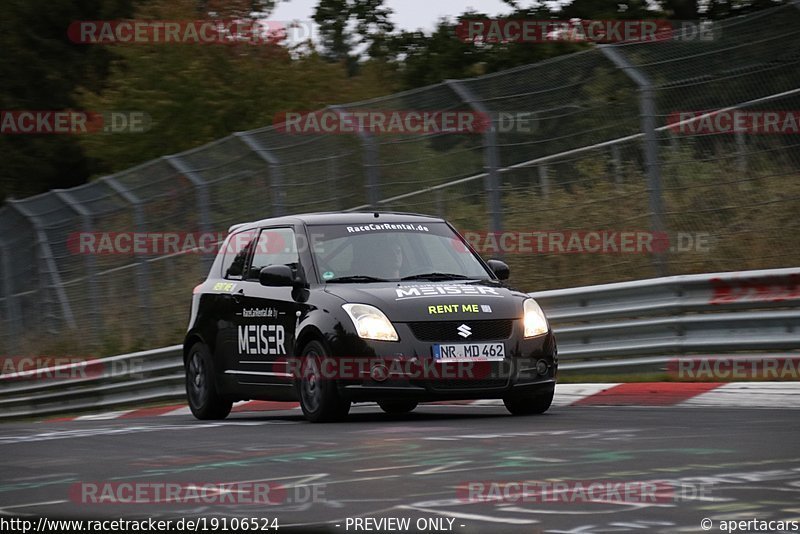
329,309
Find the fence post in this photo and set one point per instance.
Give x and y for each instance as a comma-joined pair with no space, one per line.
95,314
617,164
47,266
371,167
13,334
741,153
201,197
491,157
143,268
647,110
440,208
544,181
370,159
276,185
333,171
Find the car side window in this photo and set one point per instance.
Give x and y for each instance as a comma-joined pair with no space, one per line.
237,249
275,246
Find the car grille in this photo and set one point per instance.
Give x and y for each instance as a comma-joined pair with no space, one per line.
480,375
448,330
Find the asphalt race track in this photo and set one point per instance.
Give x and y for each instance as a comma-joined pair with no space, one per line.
720,463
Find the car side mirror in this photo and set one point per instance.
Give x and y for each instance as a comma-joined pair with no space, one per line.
499,268
276,276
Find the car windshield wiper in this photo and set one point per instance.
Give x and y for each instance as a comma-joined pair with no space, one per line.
437,276
354,279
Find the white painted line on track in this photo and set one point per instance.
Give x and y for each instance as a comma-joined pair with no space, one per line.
178,411
442,468
372,469
103,416
28,505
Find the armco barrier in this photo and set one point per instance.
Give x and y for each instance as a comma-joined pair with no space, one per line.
137,378
611,326
672,316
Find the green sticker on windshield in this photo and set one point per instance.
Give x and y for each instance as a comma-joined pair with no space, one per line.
328,275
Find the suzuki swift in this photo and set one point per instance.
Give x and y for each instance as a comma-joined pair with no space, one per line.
331,309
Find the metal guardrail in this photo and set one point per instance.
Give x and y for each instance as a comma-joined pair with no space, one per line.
677,315
137,378
610,327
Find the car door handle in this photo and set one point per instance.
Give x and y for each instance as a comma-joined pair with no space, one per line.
237,297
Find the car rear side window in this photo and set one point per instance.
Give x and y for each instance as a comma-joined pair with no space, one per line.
237,248
275,246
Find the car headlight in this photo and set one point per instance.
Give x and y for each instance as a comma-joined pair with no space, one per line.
370,322
534,320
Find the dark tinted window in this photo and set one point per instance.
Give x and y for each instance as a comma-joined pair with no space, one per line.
275,246
392,251
236,251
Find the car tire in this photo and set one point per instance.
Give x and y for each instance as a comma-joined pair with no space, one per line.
530,403
319,398
397,407
205,402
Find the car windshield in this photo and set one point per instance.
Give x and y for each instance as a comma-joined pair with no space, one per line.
379,252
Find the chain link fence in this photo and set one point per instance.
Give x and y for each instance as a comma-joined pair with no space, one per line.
616,138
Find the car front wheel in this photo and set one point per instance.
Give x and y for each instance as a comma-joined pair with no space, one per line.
529,403
397,406
204,400
319,399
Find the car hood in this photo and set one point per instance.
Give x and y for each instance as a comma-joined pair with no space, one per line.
435,301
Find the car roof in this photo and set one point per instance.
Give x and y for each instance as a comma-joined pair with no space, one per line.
337,217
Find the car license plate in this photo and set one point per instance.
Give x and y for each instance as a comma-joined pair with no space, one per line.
469,352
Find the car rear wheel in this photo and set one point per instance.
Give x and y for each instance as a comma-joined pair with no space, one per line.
204,400
397,406
319,399
529,403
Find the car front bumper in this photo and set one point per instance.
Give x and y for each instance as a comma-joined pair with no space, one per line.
407,370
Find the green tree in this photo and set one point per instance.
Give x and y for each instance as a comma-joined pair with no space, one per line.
422,59
347,26
196,94
40,69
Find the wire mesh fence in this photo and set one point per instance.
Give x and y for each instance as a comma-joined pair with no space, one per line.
583,150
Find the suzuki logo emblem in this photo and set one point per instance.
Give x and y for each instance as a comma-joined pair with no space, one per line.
464,331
